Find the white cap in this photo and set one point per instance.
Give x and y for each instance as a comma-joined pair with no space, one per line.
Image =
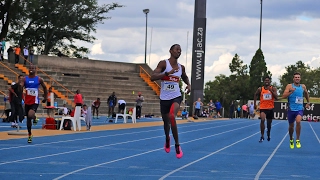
13,83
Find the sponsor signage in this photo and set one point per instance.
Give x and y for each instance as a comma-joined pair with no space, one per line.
312,113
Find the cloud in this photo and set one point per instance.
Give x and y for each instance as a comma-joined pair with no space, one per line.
96,49
277,71
314,62
290,32
218,66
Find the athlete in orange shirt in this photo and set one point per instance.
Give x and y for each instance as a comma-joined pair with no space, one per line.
267,95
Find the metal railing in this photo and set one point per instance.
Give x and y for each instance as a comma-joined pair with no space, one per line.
14,72
143,71
51,79
1,92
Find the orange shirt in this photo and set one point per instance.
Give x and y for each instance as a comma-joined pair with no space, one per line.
17,51
266,99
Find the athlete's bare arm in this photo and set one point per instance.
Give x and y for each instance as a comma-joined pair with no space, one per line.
185,79
274,93
288,91
157,73
256,94
45,91
306,95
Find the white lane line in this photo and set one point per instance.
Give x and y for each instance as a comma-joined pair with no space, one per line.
79,150
97,147
269,159
128,157
314,132
112,135
182,167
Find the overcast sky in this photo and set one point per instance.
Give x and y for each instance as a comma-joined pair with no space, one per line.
290,32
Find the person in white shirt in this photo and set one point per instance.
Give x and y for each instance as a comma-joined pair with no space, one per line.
25,54
65,110
84,111
121,105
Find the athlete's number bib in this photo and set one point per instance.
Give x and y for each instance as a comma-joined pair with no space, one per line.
299,100
170,86
32,92
267,96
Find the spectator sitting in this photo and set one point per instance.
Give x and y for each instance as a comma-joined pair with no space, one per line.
204,114
149,115
130,111
65,110
72,112
84,111
184,114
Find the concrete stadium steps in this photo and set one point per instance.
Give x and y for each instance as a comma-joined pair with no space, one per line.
94,82
109,76
6,81
98,82
102,87
107,89
83,70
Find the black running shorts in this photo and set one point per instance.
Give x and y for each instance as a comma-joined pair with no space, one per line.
165,105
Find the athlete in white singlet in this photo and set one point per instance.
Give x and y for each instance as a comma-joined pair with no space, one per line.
170,72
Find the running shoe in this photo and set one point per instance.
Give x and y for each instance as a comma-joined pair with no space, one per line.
261,140
179,152
167,145
298,144
30,139
291,144
268,134
35,121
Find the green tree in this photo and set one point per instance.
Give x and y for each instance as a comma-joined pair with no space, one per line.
219,89
239,80
53,26
306,75
258,70
8,13
237,67
315,88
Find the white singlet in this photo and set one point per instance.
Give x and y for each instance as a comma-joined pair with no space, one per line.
170,84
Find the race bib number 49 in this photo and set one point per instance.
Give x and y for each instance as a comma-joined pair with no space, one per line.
170,86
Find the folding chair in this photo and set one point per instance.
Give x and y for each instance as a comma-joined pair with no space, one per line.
125,116
76,120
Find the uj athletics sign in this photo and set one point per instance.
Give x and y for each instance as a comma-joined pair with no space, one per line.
312,113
